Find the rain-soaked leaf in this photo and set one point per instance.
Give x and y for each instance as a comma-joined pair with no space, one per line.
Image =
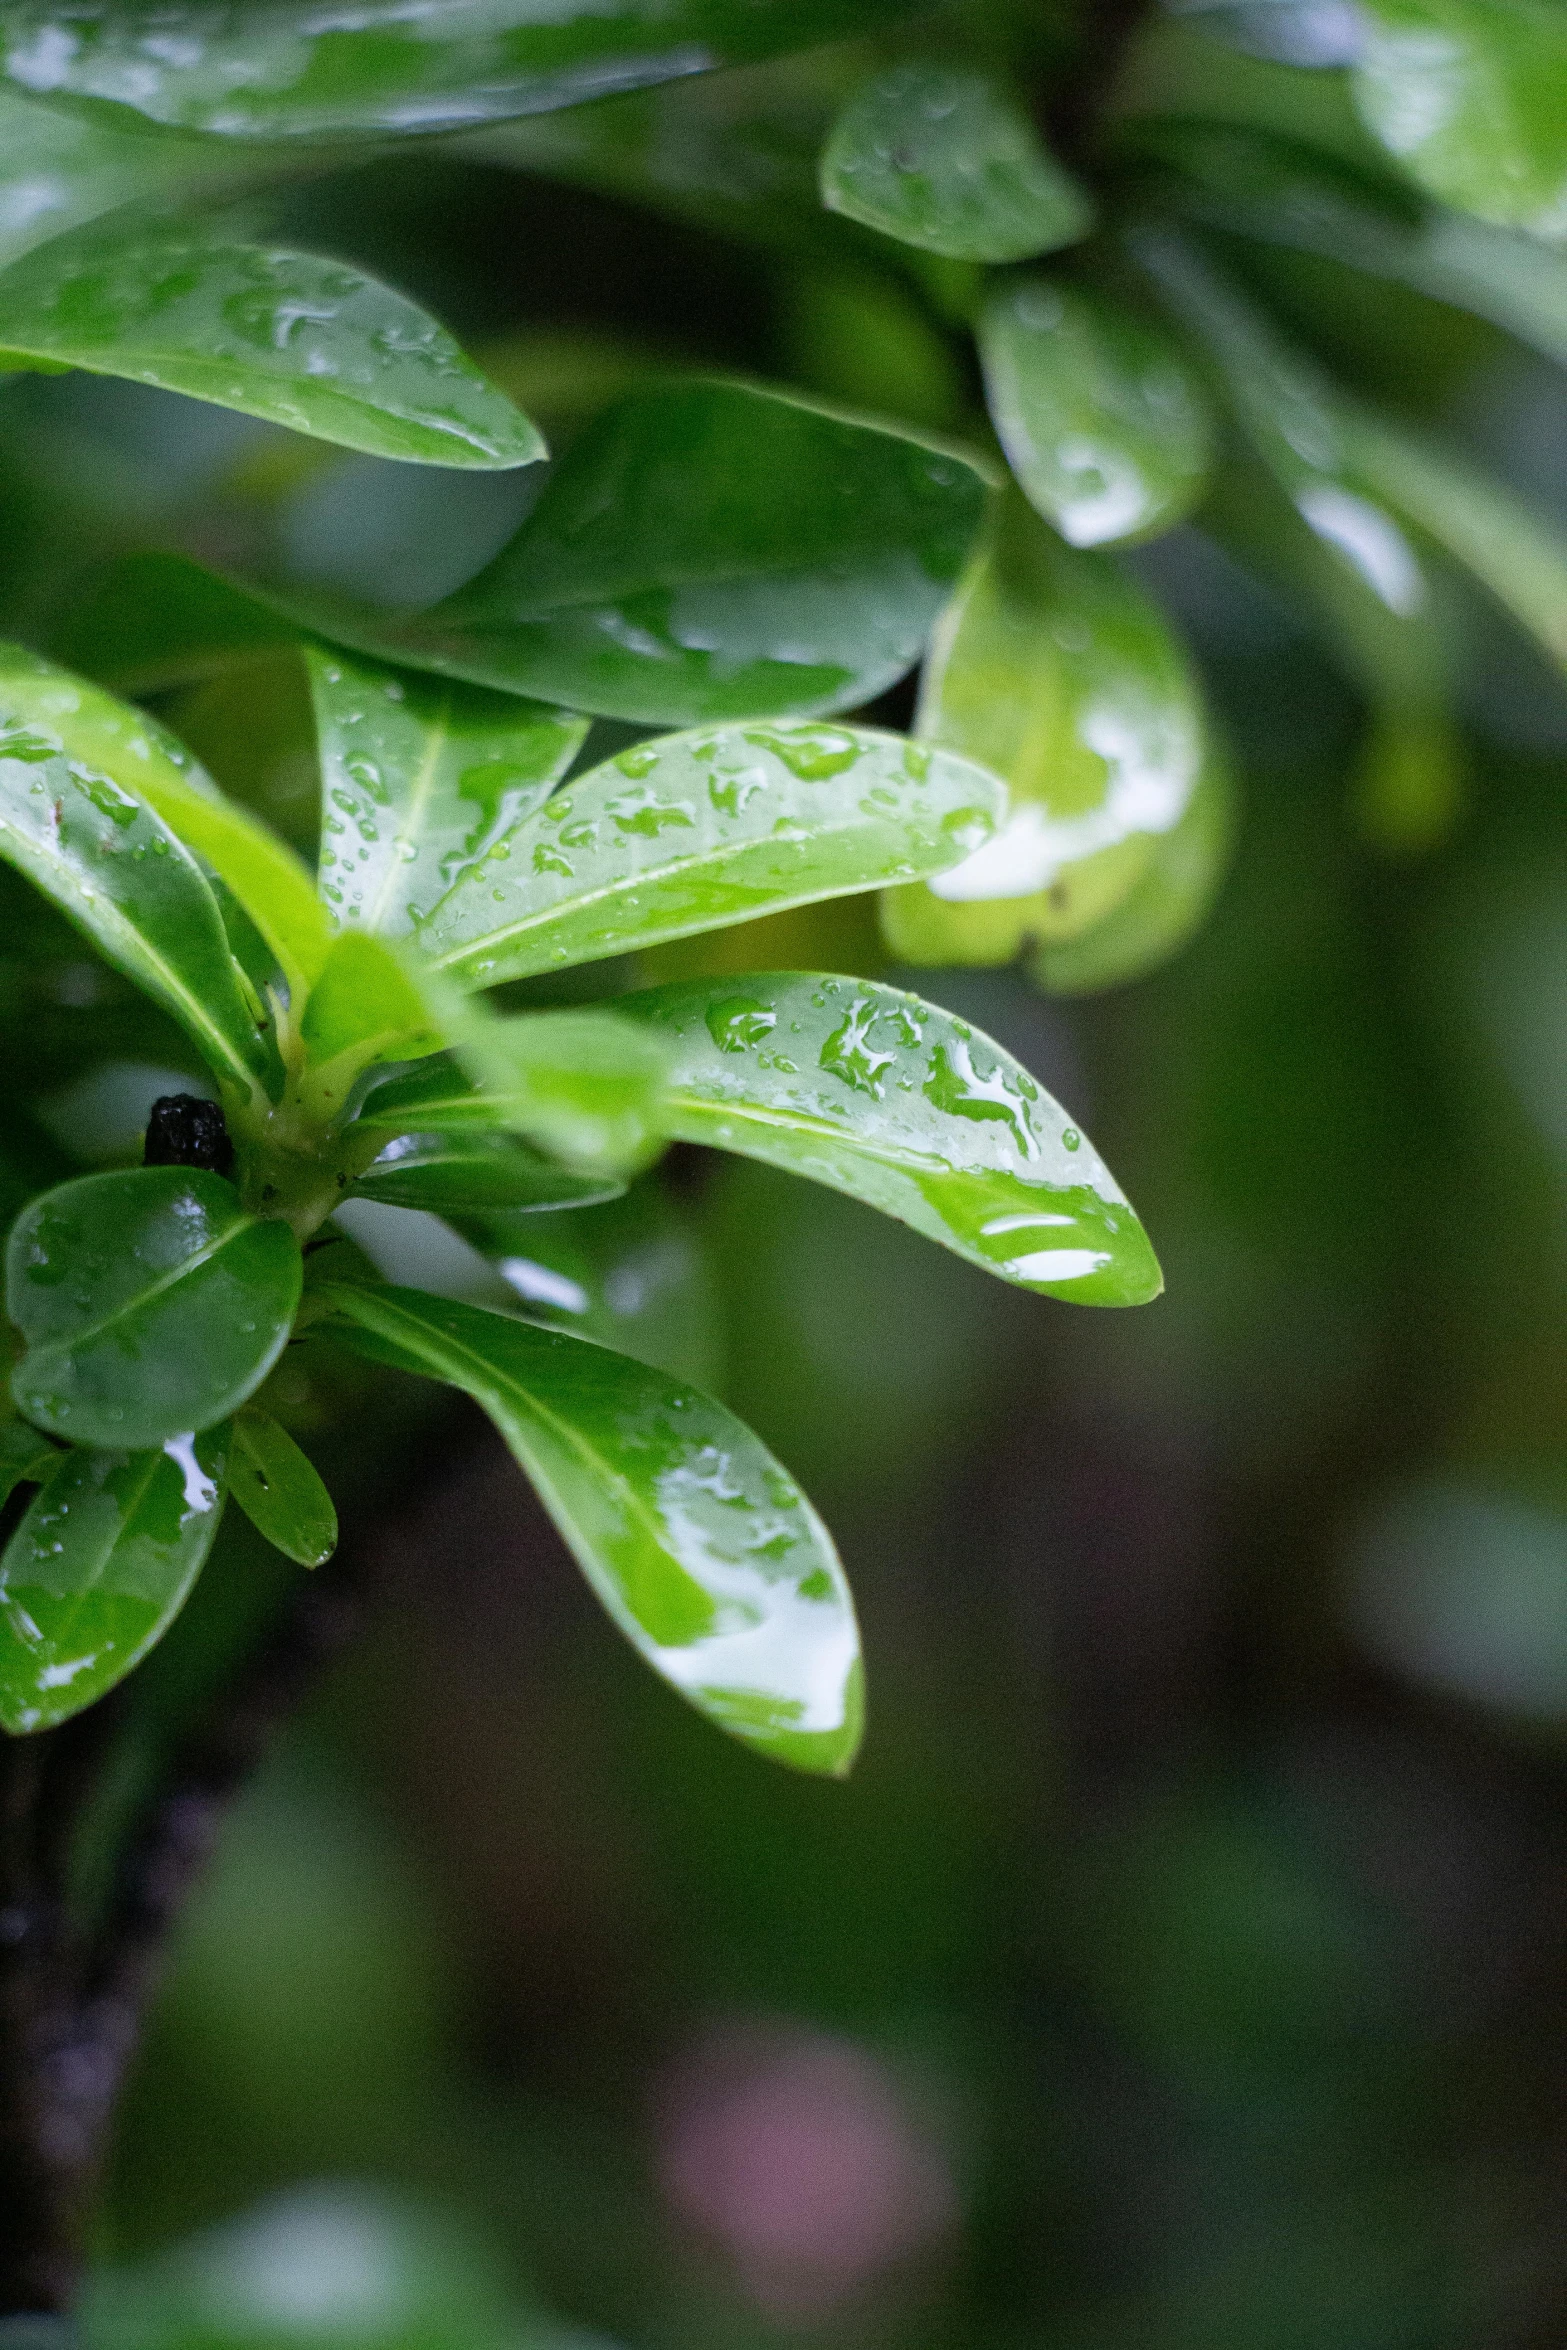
697,1541
1105,427
1056,671
895,1102
90,842
944,159
467,1174
291,69
151,1304
298,340
279,1490
98,1570
1163,909
1468,96
697,830
418,779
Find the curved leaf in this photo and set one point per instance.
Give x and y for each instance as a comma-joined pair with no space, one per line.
899,1104
303,342
98,1570
279,1491
100,852
1467,95
1107,431
697,830
943,159
698,1543
60,167
475,1174
1162,910
365,1007
150,1302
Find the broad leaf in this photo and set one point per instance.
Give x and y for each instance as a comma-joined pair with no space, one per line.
95,847
1467,95
419,779
1163,909
304,342
697,830
150,1302
943,159
899,1104
289,69
699,1544
475,1174
98,1570
1058,673
1107,431
279,1491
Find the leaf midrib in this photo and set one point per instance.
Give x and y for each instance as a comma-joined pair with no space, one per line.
64,1347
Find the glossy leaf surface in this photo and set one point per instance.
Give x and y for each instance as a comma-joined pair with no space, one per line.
298,340
289,69
1106,429
899,1104
473,1174
1164,907
98,1570
701,829
1057,672
945,160
91,843
1468,95
697,1541
419,779
150,1302
60,167
279,1490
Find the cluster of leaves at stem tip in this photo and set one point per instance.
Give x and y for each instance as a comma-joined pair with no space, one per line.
733,569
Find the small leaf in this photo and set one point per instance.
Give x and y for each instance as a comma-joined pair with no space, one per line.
944,160
90,842
367,1006
150,1302
1467,96
475,1174
279,1491
1106,429
893,1101
303,342
98,1570
1162,910
698,1543
1057,672
419,779
697,830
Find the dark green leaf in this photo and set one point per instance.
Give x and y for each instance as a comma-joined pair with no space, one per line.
1162,909
279,1491
697,830
286,69
26,1458
1105,428
98,1570
897,1103
699,1544
153,620
475,1173
1468,96
150,1302
304,342
943,159
418,780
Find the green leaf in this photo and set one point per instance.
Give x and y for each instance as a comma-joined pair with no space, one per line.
475,1174
1057,672
287,69
98,1570
895,1102
1106,429
698,1543
1163,909
418,780
1467,95
60,167
279,1491
943,159
367,1006
153,620
89,841
697,830
150,1302
301,341
26,1458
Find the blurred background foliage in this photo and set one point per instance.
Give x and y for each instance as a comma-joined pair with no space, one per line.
1183,1967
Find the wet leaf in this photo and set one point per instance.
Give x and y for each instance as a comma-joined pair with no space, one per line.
1163,909
286,69
1467,95
298,340
701,829
1104,425
60,167
419,779
698,1543
279,1491
98,1570
945,160
895,1102
95,847
1057,672
466,1174
150,1302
